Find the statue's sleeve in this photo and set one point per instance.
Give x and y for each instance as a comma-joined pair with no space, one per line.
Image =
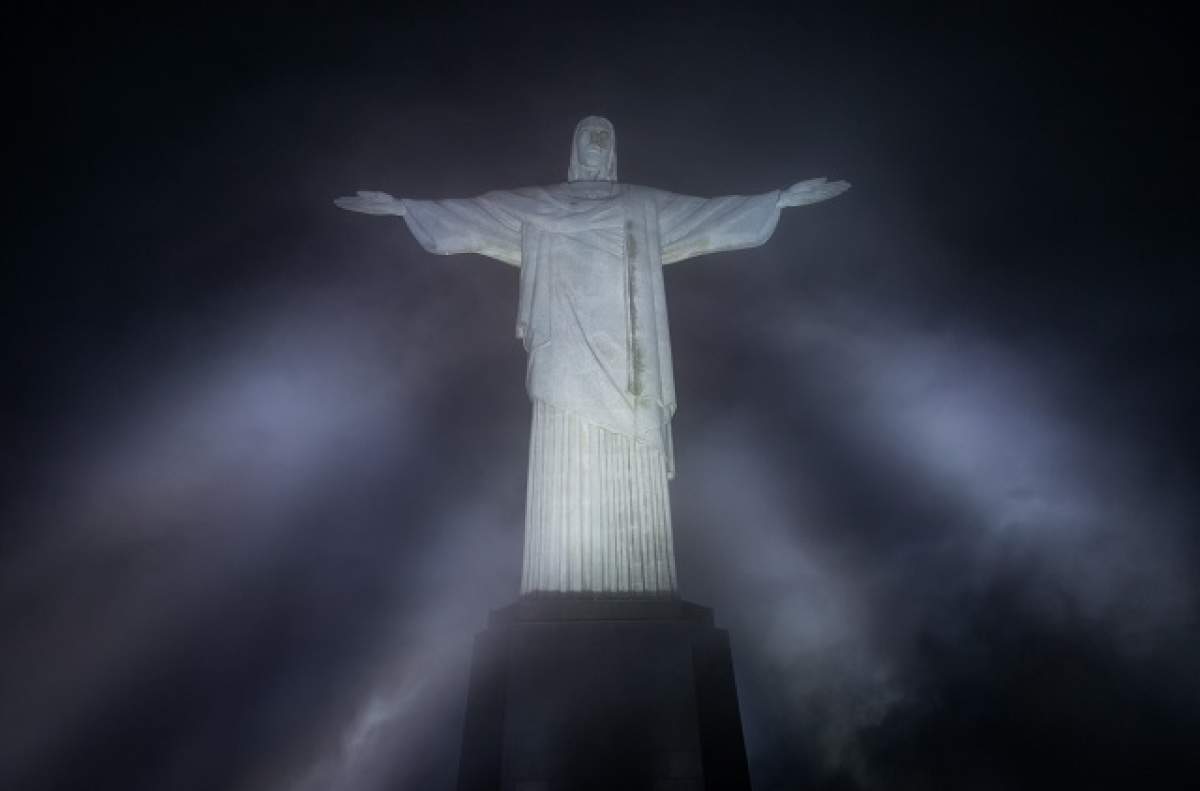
690,226
467,225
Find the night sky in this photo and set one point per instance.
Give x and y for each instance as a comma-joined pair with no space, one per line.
264,460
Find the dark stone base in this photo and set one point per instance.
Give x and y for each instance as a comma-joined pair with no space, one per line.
579,694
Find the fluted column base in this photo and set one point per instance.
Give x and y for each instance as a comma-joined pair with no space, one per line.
597,512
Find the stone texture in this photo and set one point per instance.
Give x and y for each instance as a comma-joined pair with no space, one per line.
598,518
592,315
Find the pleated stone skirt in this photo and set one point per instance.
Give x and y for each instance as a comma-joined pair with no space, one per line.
597,514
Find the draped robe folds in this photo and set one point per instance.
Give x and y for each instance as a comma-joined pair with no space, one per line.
593,319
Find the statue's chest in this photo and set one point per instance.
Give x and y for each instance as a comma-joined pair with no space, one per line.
583,203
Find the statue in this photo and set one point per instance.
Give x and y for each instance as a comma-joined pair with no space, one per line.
592,315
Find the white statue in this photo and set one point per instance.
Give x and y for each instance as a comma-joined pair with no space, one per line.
593,318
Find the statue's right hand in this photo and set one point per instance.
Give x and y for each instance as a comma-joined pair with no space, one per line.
371,202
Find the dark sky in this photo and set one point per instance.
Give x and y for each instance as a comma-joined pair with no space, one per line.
263,468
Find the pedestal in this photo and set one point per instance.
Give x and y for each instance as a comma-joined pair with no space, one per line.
580,694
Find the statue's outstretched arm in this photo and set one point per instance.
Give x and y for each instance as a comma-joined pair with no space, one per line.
811,191
371,202
691,226
453,225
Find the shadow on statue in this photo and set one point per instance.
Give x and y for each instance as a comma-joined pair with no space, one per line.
578,694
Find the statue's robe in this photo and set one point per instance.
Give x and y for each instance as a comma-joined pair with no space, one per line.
593,319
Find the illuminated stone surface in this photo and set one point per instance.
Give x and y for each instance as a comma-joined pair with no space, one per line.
593,319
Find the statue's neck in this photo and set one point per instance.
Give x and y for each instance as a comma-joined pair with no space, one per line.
592,189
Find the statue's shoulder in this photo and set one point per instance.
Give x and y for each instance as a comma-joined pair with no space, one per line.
567,188
567,193
638,192
652,195
537,191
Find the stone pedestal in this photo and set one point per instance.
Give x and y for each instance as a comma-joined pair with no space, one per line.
580,694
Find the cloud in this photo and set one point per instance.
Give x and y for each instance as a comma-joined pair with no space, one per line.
886,484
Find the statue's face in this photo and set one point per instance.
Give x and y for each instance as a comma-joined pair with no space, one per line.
593,146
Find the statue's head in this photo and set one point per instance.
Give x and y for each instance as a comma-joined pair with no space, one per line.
593,151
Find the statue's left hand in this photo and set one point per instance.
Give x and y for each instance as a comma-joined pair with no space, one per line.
811,191
371,202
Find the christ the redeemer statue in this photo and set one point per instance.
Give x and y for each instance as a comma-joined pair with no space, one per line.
593,318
